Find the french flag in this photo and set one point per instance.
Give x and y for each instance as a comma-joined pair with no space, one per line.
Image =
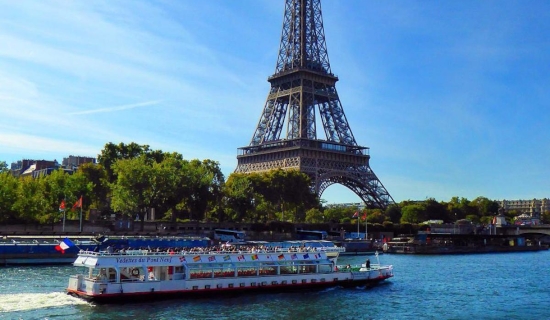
64,245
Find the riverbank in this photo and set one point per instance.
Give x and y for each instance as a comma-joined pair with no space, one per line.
270,231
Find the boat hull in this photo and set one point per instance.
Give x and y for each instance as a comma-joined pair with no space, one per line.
36,259
263,287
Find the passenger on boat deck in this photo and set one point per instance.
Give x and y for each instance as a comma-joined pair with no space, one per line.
348,267
367,264
102,274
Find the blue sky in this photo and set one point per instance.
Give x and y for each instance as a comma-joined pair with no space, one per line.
451,96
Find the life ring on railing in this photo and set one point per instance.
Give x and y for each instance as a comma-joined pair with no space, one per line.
135,272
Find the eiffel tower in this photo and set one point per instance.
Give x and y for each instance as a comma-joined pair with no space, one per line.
303,84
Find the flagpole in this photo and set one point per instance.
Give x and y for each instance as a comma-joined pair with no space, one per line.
62,208
80,213
366,227
358,237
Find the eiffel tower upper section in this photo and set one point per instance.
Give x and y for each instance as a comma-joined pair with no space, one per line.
302,97
303,67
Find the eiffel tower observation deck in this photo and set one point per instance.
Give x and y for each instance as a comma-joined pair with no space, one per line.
302,91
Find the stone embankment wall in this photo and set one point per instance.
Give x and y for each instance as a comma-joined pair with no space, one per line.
268,232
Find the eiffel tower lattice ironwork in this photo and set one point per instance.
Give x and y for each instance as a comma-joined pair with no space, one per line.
303,84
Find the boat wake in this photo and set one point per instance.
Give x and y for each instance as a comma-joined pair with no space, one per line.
32,301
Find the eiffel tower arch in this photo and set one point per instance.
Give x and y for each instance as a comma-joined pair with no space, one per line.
302,97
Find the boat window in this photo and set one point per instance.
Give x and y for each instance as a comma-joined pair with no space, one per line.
196,273
306,267
266,271
101,274
223,273
325,268
246,271
288,269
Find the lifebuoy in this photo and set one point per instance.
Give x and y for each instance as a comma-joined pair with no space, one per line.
135,272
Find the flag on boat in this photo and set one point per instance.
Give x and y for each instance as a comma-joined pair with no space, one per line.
197,258
240,258
62,205
293,257
226,258
281,256
77,204
356,214
211,258
64,245
182,259
306,256
254,257
364,216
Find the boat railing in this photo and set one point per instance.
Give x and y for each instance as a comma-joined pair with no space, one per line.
210,252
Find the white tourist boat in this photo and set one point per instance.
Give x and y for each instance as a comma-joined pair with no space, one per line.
126,276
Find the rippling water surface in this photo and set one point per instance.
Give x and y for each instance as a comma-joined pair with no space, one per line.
488,286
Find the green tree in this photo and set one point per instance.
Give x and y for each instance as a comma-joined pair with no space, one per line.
138,186
55,188
459,208
215,188
374,216
177,184
111,153
240,195
339,214
393,212
485,207
96,178
79,187
435,210
413,213
31,202
8,196
4,167
288,190
314,215
206,182
473,218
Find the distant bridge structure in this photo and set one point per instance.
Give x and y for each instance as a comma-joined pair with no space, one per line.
540,230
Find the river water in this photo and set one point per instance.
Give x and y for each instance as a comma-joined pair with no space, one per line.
484,286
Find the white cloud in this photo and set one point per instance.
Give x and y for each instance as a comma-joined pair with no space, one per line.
118,108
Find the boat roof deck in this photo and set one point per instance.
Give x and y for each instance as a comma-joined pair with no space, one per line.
204,251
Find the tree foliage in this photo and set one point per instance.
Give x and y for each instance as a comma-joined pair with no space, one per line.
132,179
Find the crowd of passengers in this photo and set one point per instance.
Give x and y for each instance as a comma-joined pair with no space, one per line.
224,248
